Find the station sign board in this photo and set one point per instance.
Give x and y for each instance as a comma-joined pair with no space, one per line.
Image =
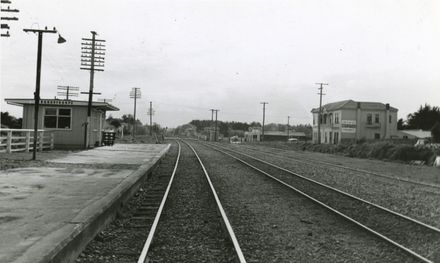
348,126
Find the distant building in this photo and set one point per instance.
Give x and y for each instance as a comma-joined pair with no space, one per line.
254,134
351,120
66,118
414,134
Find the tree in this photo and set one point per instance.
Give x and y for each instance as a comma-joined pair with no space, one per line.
10,121
401,124
424,118
435,132
116,123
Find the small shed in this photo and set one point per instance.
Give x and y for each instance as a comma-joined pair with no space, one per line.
66,118
413,134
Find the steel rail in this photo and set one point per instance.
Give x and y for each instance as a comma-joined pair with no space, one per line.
231,233
433,228
399,179
147,244
390,241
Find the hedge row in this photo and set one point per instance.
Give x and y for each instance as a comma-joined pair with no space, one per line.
378,150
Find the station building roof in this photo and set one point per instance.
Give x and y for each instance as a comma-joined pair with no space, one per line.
59,102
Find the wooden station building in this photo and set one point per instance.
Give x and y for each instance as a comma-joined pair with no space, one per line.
66,118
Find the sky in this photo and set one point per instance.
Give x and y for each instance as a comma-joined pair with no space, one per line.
188,57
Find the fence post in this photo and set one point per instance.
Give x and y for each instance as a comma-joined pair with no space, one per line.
41,141
9,142
52,140
28,140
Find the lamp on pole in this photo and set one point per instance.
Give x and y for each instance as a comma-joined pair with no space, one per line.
37,84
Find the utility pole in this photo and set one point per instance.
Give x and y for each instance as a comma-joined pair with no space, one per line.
150,112
105,100
5,26
212,122
135,94
320,109
37,83
264,117
67,91
288,120
215,131
92,59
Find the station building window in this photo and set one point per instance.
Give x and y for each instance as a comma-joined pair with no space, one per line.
57,118
376,118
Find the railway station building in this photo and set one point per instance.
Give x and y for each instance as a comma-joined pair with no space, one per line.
352,120
66,119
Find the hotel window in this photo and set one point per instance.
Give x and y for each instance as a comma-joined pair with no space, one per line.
369,118
57,118
376,118
337,118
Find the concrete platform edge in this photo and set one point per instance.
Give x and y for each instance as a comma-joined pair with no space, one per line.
84,227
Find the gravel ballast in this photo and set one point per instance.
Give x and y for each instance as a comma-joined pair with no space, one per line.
122,240
273,224
419,202
190,228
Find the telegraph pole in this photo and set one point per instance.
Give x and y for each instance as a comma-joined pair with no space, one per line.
151,118
264,117
288,120
135,94
215,132
5,26
92,59
38,78
320,109
67,91
105,100
212,122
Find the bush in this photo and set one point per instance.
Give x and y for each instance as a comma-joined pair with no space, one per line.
382,150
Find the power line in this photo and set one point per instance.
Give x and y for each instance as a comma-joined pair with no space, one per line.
215,129
67,91
105,100
5,25
92,59
135,94
320,109
151,112
264,117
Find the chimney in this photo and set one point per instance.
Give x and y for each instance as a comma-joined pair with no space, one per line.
387,106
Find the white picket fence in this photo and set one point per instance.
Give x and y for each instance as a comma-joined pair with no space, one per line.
16,140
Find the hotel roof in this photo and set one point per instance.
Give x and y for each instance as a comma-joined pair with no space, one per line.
351,104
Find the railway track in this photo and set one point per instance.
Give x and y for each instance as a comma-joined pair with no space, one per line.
177,225
417,239
317,162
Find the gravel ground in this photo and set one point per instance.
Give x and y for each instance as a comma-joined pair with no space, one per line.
190,228
421,173
422,240
273,224
123,239
421,203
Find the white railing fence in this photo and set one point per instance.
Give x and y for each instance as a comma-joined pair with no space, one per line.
16,140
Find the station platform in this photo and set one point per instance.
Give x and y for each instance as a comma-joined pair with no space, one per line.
49,213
